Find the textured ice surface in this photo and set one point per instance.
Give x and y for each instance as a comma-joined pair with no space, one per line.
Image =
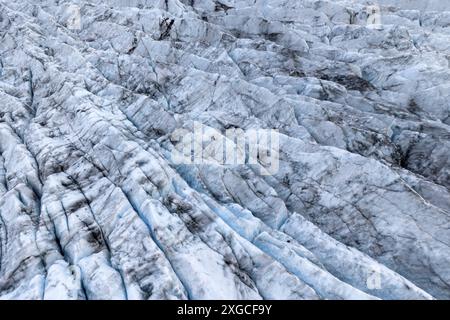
93,205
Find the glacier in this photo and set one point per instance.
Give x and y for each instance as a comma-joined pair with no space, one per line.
95,97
